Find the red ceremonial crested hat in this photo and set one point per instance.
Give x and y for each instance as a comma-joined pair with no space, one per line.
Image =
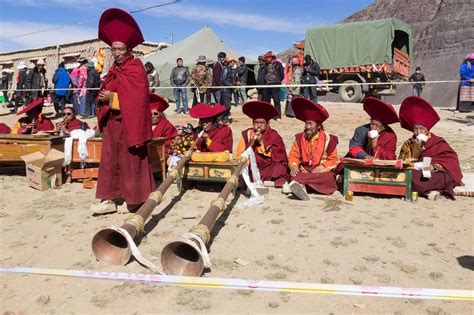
416,111
116,25
37,102
259,109
205,111
157,102
381,111
305,110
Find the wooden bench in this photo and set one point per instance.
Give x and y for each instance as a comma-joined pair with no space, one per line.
156,150
377,179
12,147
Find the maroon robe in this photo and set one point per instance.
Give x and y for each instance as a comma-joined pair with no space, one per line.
125,170
4,129
221,140
166,130
385,149
41,124
75,124
323,183
274,167
443,181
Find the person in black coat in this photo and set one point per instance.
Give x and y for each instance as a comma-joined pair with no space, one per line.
311,72
92,82
273,73
20,85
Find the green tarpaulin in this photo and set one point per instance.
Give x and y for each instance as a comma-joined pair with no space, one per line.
358,43
203,42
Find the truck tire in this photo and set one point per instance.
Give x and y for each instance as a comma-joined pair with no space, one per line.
351,92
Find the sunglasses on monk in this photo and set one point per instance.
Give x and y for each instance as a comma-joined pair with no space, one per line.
67,114
155,113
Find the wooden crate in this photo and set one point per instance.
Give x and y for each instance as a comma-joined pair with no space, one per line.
12,147
156,150
385,180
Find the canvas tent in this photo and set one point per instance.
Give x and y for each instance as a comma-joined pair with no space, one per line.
203,42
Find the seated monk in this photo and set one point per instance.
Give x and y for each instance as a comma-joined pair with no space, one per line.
213,137
160,124
375,140
4,129
418,116
313,155
35,121
70,122
269,149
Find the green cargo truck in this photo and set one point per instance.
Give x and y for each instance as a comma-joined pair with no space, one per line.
365,57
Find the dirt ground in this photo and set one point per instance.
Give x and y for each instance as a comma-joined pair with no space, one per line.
370,241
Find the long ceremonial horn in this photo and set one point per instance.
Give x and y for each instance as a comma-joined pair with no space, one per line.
181,257
112,247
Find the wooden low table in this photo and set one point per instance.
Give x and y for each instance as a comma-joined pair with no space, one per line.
211,172
156,150
12,147
377,179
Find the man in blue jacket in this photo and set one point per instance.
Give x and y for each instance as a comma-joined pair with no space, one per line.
61,81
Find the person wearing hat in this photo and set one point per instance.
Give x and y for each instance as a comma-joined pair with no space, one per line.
311,72
35,80
294,90
273,75
213,137
124,118
20,84
199,79
160,124
269,148
419,117
375,140
227,80
260,80
61,81
418,80
216,75
313,155
34,120
465,101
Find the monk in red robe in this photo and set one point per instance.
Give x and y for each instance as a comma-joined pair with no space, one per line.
70,122
4,129
160,124
213,137
313,155
418,116
34,120
375,140
124,118
269,148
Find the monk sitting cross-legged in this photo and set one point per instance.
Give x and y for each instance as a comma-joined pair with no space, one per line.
444,172
313,156
269,149
213,136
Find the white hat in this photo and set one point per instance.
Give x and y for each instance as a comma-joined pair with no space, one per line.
31,65
40,62
21,65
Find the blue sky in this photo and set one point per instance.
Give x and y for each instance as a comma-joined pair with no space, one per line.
250,27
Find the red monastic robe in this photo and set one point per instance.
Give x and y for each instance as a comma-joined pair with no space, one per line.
385,149
75,124
4,129
220,140
272,161
165,129
444,181
41,124
125,170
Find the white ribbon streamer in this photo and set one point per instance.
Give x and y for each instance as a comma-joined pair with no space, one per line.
255,197
81,147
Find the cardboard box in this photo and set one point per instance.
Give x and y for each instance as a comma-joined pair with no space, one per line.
44,171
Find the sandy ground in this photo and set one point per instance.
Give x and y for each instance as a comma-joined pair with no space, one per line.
370,241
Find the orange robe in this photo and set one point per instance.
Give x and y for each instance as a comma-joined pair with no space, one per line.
307,155
270,155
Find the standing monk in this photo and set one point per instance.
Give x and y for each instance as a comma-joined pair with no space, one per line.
418,116
313,155
269,149
375,140
160,124
214,137
124,118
